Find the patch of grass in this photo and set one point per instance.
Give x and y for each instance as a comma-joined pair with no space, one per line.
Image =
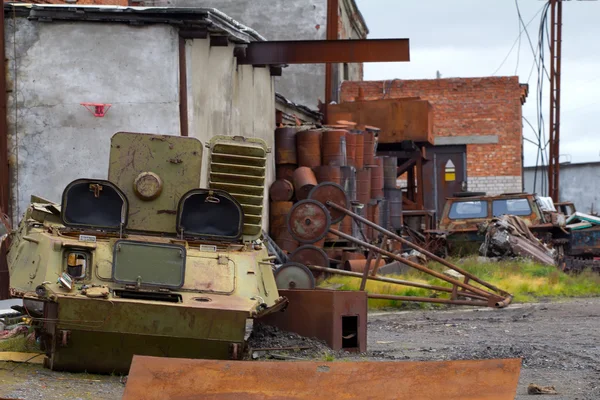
18,344
526,280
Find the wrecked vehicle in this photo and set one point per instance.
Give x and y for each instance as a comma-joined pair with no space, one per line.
463,217
146,262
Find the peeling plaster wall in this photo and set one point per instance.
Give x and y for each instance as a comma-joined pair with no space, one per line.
278,20
53,67
231,100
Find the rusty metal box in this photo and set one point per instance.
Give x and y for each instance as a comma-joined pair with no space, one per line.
337,317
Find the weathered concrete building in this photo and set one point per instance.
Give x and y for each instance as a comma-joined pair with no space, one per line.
146,64
292,20
579,183
479,119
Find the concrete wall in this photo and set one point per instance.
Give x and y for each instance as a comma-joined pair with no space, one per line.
54,140
53,67
226,99
290,20
579,183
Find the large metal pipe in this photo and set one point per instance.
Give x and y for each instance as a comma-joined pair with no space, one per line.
419,249
478,303
4,174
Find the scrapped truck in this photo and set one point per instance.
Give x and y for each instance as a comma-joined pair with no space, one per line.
464,217
145,262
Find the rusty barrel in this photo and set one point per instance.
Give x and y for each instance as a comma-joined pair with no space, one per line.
359,153
334,147
346,225
373,216
350,148
278,212
348,181
369,149
285,145
285,171
394,198
390,172
363,186
377,179
359,265
351,255
328,173
286,242
281,190
308,148
304,181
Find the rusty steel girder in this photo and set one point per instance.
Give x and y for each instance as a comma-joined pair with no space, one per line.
324,51
153,378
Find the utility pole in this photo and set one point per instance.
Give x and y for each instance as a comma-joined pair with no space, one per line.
555,59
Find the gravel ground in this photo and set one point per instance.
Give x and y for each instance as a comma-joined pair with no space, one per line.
559,344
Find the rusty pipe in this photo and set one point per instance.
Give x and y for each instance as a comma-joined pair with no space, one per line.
416,266
419,249
427,300
380,278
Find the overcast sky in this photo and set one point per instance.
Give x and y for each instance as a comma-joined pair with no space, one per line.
470,38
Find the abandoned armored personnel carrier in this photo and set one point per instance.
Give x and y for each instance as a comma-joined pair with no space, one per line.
146,262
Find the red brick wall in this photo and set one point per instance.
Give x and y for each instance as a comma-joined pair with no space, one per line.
464,107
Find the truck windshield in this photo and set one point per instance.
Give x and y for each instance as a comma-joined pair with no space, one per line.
511,207
468,209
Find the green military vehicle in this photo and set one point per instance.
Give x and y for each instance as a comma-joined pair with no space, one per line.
146,262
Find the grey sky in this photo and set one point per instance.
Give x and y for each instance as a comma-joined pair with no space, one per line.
469,38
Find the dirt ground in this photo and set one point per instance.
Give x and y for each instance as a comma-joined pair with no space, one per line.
559,343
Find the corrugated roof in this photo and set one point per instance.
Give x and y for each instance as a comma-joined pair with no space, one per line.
209,19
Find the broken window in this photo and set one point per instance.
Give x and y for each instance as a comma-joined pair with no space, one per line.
511,207
468,209
77,264
346,72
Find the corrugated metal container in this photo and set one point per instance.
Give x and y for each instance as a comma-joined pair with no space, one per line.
285,145
285,171
278,212
348,182
350,149
369,149
308,148
394,198
304,181
359,155
327,173
377,179
390,172
334,147
281,190
363,186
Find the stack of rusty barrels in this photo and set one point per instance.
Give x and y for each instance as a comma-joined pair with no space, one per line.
343,154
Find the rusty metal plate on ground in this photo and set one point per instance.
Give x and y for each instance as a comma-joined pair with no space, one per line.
308,221
329,191
310,255
153,378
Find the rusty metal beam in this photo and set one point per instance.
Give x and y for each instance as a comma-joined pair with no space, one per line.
325,51
183,97
332,34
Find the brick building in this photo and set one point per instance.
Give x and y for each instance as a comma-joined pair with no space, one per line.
483,114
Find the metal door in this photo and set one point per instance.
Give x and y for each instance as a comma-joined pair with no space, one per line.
448,170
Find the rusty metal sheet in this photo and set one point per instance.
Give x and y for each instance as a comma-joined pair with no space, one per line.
325,51
171,378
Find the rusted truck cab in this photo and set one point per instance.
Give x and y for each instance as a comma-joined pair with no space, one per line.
462,217
146,262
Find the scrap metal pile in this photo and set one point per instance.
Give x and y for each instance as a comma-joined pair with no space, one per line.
508,236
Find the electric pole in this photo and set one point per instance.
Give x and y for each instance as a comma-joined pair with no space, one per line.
555,59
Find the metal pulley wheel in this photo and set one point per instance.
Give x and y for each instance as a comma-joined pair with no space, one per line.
329,191
294,275
310,255
308,221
